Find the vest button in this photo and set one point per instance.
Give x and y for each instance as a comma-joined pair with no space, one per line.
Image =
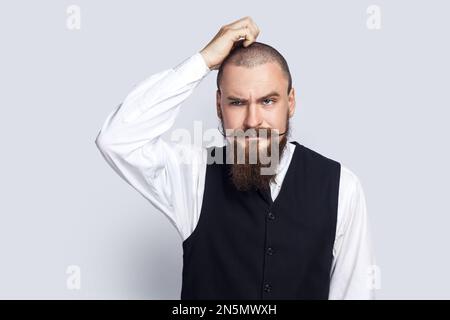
267,288
271,216
269,251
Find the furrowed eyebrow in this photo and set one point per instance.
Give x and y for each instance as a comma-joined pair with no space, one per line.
271,94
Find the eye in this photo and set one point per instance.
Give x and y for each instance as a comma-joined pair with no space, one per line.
235,103
273,101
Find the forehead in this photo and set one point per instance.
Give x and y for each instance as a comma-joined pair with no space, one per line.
241,80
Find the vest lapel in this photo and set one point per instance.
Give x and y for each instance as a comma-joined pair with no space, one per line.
266,195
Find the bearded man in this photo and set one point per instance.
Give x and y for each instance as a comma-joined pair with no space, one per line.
261,217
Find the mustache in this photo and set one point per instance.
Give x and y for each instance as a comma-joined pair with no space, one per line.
252,132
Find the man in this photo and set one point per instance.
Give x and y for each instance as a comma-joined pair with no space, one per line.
290,225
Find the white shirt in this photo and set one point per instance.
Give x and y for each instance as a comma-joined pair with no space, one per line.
130,141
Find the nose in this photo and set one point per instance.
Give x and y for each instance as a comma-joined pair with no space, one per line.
253,117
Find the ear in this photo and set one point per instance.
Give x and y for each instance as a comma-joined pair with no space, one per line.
218,108
291,102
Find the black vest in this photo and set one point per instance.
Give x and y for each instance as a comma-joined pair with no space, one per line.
245,246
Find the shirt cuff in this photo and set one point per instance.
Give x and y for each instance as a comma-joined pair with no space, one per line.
193,68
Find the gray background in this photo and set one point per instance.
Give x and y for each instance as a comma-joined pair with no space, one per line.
375,100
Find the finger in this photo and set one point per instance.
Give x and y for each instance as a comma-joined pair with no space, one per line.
243,33
245,22
254,30
249,37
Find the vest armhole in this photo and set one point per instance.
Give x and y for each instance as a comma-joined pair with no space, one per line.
194,232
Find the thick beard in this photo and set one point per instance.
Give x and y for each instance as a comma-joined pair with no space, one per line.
247,176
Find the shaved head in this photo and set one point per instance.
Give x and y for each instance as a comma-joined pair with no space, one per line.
255,54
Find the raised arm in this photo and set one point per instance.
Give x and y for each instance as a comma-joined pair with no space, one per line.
130,141
130,138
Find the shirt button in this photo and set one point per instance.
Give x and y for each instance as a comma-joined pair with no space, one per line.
270,251
271,216
267,287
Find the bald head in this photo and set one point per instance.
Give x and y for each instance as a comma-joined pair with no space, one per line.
256,54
